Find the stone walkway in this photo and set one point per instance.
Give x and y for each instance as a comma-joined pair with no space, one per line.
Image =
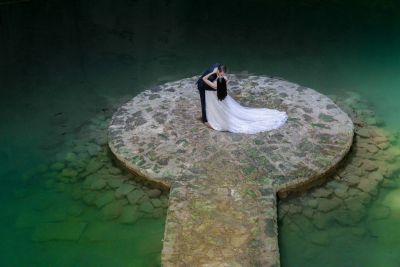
223,186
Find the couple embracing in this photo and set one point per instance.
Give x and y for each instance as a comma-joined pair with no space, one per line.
221,112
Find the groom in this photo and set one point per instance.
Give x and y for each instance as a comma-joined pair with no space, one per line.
202,86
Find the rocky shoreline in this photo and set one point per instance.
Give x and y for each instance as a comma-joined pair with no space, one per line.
82,185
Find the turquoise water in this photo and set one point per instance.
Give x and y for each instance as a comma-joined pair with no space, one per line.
64,64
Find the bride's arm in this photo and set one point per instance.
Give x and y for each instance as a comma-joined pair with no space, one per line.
211,84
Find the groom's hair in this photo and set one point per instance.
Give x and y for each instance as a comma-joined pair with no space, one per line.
222,67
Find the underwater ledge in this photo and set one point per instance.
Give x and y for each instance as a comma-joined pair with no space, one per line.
223,186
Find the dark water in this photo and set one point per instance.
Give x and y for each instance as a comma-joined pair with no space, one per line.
65,63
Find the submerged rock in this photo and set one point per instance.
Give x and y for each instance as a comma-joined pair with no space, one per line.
392,200
369,165
378,212
326,205
320,238
321,221
158,213
54,215
130,214
123,190
65,231
104,199
93,149
115,182
42,203
358,231
57,166
98,184
368,186
114,171
69,173
75,210
146,207
156,202
321,192
153,193
76,193
389,183
111,211
90,198
93,166
135,196
343,217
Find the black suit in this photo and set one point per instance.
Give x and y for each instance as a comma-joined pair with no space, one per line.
202,86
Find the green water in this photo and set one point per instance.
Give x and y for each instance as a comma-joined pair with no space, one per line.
64,63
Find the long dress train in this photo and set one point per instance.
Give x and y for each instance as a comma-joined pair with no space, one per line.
229,115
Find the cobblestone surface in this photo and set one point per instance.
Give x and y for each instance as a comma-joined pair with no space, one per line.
223,186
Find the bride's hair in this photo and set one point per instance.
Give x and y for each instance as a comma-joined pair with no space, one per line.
221,88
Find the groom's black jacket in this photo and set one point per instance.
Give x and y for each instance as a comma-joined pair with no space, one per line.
201,85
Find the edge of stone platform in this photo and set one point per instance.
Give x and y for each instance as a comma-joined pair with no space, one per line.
141,176
319,178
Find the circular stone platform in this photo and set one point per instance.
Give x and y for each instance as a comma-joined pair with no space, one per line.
223,185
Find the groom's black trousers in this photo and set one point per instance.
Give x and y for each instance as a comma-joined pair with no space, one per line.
202,92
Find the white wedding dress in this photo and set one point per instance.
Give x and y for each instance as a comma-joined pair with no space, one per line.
229,115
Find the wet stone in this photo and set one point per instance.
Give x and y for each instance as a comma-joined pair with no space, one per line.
93,149
111,211
344,217
90,198
326,205
320,238
321,192
114,182
104,199
363,133
98,184
123,190
156,202
153,193
369,166
368,185
379,212
146,207
93,166
57,166
129,215
135,196
321,221
69,172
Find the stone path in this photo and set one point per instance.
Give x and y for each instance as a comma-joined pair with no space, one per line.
223,186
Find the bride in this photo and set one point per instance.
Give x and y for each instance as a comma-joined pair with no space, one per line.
224,113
